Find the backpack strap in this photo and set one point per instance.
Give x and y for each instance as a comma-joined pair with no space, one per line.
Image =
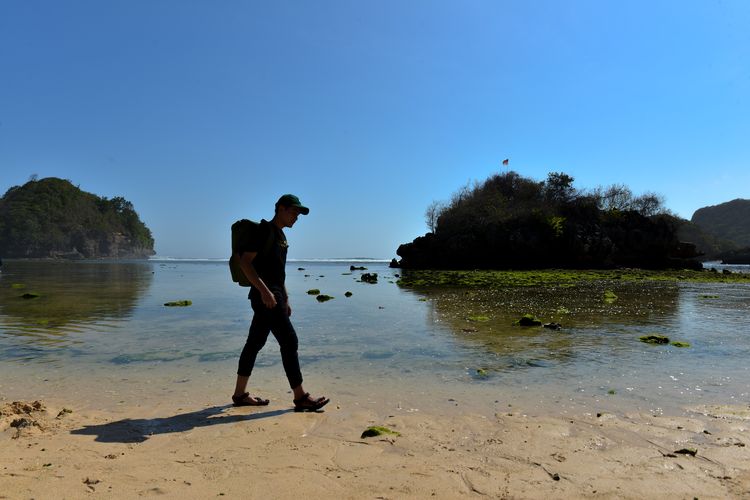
268,243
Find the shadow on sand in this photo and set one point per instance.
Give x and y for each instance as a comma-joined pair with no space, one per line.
140,429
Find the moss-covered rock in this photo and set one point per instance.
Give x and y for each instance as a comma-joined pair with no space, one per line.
369,278
179,303
377,430
324,298
677,343
348,294
313,291
528,320
654,339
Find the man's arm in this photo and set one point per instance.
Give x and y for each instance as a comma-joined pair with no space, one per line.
246,264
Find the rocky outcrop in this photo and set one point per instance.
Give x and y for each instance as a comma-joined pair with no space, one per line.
52,219
728,221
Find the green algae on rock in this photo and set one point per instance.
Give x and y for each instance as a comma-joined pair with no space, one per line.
528,320
377,430
418,278
369,278
478,318
324,298
313,291
609,297
654,339
179,303
677,343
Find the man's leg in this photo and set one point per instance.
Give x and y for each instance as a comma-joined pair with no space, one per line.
282,329
256,339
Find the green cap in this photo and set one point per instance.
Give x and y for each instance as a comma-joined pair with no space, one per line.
289,200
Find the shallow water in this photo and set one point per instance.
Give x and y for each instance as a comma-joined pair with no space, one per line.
96,321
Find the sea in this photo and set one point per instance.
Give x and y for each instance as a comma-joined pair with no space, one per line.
99,335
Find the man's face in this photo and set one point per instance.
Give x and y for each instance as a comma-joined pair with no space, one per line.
288,215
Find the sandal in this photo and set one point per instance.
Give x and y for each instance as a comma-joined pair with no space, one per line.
247,400
306,403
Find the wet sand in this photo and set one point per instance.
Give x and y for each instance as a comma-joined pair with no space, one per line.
191,444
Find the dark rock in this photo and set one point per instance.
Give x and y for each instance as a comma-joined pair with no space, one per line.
179,303
357,268
369,278
654,339
528,320
553,326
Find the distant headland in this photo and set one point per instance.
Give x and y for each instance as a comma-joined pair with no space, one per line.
51,218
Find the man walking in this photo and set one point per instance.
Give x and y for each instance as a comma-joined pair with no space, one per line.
262,258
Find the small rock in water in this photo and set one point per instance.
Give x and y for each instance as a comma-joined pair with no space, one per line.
179,303
323,298
553,326
654,339
369,278
528,320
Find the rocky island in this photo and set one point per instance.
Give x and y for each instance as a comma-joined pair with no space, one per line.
513,222
53,219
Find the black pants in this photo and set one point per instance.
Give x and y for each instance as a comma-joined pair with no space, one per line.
274,321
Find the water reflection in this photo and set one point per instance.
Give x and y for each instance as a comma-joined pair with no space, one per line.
594,316
63,298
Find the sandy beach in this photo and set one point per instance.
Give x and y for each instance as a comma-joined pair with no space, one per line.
53,449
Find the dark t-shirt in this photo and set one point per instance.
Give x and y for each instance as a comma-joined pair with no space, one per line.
270,261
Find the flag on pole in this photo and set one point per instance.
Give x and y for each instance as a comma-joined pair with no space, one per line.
505,162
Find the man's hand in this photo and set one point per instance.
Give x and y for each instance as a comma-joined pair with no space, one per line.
269,300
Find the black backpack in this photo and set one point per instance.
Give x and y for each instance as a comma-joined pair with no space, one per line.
240,230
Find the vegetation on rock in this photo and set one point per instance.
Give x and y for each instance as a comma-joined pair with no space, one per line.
52,218
727,221
510,221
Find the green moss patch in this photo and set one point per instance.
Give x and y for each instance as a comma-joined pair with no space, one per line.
377,430
179,303
654,339
478,318
609,297
418,278
680,344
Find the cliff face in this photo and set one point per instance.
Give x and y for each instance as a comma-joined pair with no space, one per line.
51,218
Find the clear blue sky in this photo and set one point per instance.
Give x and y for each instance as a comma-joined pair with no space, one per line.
203,112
